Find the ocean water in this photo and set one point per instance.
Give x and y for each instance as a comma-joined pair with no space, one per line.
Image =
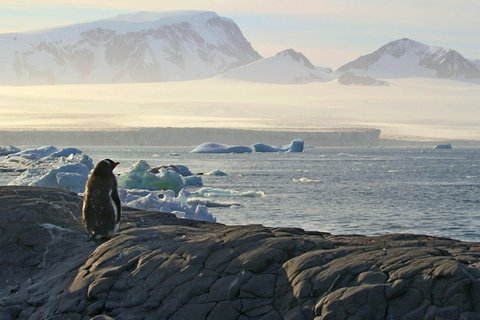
368,191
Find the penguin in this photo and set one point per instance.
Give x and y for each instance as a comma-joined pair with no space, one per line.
102,209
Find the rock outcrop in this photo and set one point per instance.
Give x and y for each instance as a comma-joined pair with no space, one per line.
162,267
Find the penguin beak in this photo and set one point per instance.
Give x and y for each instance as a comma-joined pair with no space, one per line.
115,164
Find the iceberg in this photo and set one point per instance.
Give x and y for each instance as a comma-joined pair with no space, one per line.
165,201
212,147
295,145
216,172
444,146
139,176
5,151
66,169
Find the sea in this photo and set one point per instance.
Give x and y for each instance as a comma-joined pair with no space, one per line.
356,190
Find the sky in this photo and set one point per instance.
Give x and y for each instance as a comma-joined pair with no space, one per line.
329,32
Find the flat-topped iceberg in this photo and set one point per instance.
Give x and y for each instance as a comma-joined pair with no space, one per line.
212,147
443,146
295,146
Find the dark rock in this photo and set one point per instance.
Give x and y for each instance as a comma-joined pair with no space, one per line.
350,78
162,267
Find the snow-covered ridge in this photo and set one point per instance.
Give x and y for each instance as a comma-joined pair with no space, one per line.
288,66
165,16
141,47
409,58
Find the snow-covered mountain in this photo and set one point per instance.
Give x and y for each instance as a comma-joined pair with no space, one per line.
288,66
407,58
477,63
139,47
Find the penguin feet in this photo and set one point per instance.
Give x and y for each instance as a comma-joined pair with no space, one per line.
98,237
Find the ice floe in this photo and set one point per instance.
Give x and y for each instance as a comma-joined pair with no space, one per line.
217,192
305,180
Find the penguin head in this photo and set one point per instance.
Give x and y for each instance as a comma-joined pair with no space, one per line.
105,167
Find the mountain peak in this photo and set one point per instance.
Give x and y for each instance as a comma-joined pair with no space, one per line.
288,66
296,56
138,47
399,47
409,58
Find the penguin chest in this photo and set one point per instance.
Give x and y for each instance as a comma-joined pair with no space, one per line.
114,207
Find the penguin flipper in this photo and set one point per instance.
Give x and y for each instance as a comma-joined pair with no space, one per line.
118,204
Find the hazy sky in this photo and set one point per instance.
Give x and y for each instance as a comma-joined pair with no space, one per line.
329,32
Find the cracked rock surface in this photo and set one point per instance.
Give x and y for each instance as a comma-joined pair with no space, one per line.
162,267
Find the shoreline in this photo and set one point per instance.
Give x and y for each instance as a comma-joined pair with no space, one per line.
160,266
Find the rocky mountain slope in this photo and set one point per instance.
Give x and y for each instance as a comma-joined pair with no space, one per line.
162,267
140,47
408,58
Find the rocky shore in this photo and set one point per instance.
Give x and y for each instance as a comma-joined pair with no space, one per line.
162,267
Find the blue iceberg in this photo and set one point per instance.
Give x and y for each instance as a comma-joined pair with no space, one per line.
295,146
139,176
